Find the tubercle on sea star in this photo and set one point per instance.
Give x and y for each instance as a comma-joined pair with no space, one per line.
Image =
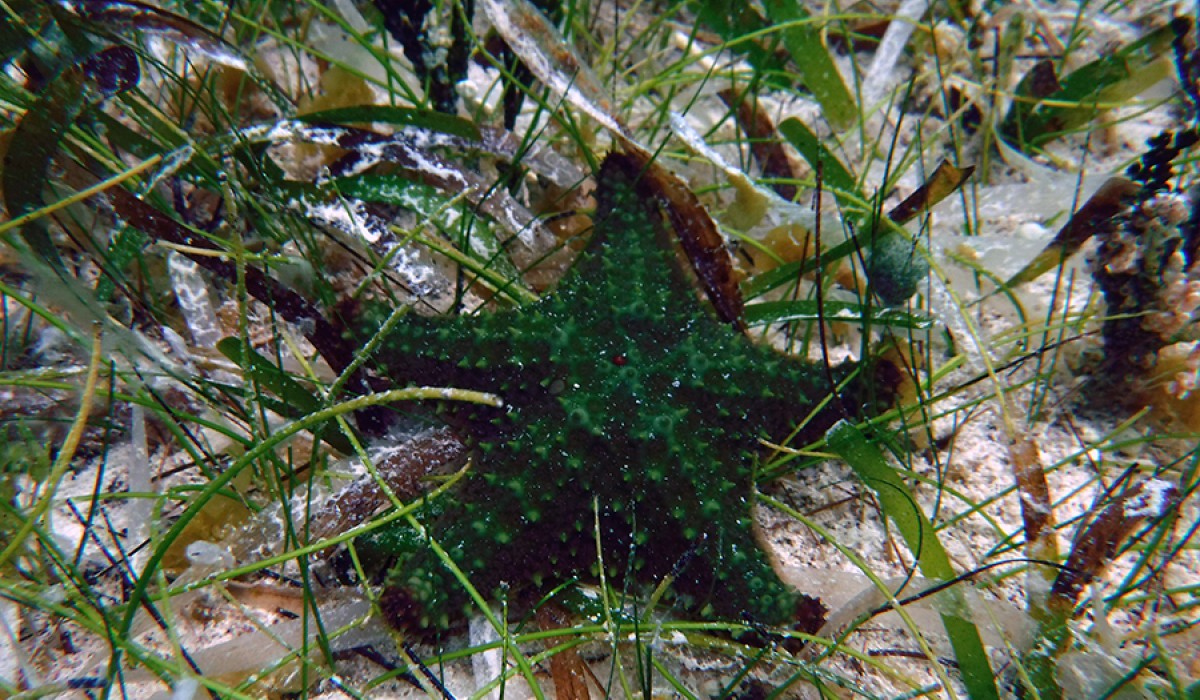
627,403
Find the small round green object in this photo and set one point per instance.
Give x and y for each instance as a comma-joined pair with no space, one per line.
895,268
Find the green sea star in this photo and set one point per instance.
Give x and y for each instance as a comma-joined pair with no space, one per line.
625,400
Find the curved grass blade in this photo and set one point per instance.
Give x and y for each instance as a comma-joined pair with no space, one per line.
734,20
768,312
898,503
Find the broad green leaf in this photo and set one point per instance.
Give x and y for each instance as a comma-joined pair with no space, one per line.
1112,78
392,189
734,20
771,279
813,62
899,505
296,400
837,176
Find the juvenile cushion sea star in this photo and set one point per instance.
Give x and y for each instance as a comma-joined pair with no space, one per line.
626,401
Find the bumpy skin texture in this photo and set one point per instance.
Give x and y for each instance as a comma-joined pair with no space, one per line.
624,396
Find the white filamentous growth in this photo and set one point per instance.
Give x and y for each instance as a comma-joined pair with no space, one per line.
349,217
411,147
352,218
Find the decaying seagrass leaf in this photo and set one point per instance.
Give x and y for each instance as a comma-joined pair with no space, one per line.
403,470
1100,208
944,181
702,242
1037,510
567,667
550,58
764,141
1096,545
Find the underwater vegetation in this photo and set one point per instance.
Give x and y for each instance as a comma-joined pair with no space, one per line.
618,332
